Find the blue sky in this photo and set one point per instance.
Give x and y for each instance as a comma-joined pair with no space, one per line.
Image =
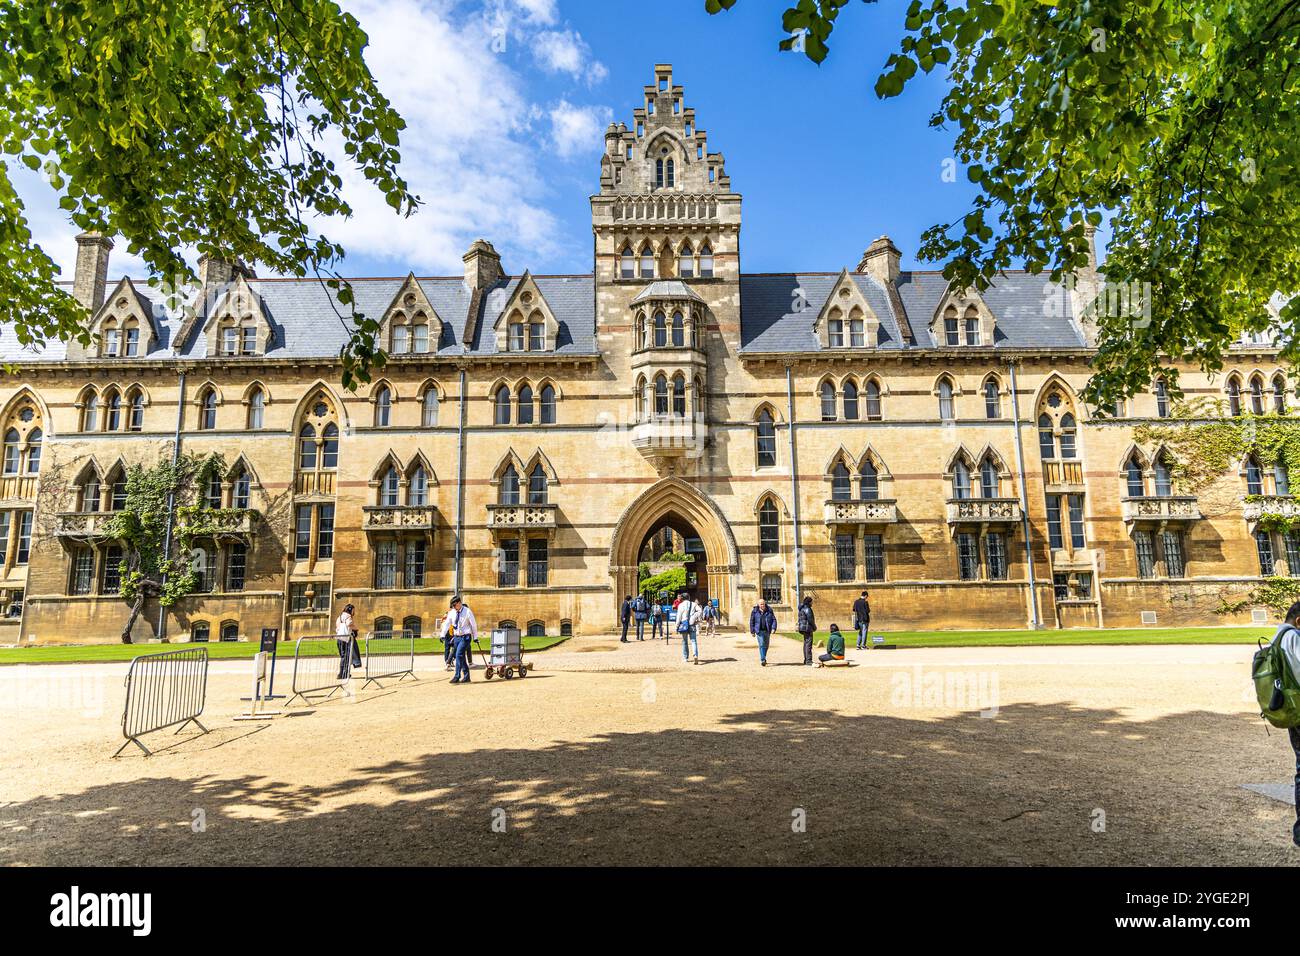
507,101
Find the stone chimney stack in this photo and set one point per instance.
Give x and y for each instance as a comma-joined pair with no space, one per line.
90,280
482,266
881,261
1085,289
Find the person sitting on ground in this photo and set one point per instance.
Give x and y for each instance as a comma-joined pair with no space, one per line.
834,646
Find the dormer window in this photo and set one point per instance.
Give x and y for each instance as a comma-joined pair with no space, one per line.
536,333
951,332
972,323
517,335
132,342
111,342
835,330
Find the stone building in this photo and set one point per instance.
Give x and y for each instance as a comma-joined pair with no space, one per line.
863,427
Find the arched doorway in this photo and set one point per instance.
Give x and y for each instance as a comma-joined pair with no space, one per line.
674,535
677,506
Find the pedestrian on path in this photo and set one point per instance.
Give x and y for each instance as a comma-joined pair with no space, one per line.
345,634
762,624
807,626
862,620
688,622
461,629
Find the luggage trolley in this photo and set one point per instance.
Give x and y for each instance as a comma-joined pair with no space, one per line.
506,658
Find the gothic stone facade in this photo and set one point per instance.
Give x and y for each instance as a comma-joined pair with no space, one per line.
825,433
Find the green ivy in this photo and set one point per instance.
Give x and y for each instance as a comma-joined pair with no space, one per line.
1277,593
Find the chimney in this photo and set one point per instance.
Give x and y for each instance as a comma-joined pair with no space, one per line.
881,261
1084,289
482,266
90,281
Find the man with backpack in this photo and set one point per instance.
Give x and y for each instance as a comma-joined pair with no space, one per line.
1275,671
688,622
807,627
862,619
640,612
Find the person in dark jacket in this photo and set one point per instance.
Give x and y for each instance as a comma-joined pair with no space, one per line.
862,619
640,614
807,626
762,624
625,615
834,646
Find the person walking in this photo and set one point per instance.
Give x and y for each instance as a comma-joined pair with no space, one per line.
688,622
640,614
448,650
862,620
657,629
807,626
762,624
345,635
1289,635
709,615
834,646
461,629
625,615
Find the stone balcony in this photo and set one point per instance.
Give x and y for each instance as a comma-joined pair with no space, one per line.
983,511
1256,507
82,525
396,518
522,518
669,439
1160,509
1065,475
218,522
18,487
877,511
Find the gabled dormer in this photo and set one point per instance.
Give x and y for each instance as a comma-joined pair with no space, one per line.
123,327
237,324
410,325
846,320
527,323
962,319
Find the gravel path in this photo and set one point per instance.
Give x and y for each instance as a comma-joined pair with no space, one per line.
622,753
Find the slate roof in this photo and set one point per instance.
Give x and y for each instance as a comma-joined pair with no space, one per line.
777,314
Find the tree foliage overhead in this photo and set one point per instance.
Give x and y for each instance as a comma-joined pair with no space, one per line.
1179,120
188,124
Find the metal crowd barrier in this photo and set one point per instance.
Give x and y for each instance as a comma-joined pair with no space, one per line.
389,654
163,690
315,668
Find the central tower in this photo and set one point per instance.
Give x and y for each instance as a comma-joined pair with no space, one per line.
666,227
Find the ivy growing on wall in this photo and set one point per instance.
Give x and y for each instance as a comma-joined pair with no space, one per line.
1277,593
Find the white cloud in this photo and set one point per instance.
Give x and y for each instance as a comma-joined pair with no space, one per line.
578,129
564,51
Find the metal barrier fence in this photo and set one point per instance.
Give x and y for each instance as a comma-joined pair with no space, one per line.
163,690
389,654
316,668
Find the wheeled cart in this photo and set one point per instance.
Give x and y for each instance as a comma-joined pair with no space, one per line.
506,658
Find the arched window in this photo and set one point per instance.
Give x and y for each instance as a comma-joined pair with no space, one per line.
972,324
769,531
388,488
199,633
538,628
207,410
537,485
951,331
659,174
1162,398
946,410
992,399
679,330
117,491
113,410
661,330
509,486
841,488
400,338
420,334
383,628
627,263
1254,477
307,447
868,482
524,411
383,407
417,489
686,261
647,262
1069,444
515,342
765,440
537,333
872,393
661,395
679,394
330,449
502,404
857,330
548,405
835,330
135,416
1136,486
11,452
1234,396
988,478
1256,395
429,407
34,451
241,489
212,492
960,480
850,401
90,414
411,627
706,261
1046,439
1164,477
1281,478
90,491
670,169
828,401
256,408
1279,394
641,398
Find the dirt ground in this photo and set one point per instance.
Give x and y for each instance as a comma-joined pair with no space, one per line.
616,753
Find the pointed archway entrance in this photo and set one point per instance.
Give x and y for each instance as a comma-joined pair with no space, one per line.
676,505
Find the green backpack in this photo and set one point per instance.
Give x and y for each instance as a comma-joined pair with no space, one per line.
1275,685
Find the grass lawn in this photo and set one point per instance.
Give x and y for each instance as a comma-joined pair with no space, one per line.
1020,638
232,650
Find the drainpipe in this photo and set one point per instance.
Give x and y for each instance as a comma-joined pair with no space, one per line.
1034,622
794,489
460,486
171,500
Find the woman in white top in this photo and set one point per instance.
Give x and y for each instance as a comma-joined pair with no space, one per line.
688,622
345,633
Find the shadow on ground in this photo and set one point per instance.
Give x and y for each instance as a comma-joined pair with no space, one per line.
1024,786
